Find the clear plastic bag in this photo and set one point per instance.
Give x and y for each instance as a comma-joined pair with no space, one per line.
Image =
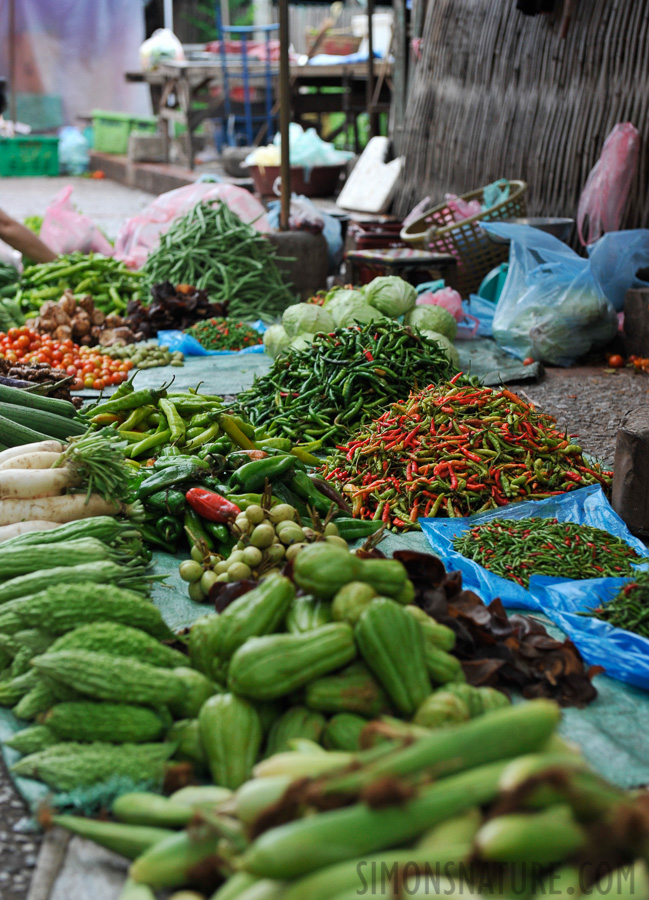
614,261
163,44
607,187
65,230
551,308
74,155
139,235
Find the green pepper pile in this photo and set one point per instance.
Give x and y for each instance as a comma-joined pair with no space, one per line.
518,548
343,380
224,334
212,249
629,609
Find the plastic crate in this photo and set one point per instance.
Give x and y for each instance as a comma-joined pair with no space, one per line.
24,157
111,130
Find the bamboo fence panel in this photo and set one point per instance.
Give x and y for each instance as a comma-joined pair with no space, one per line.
497,94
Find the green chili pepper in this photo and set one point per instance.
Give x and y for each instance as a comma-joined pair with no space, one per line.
167,477
169,529
253,475
172,502
195,531
151,536
219,533
307,490
175,422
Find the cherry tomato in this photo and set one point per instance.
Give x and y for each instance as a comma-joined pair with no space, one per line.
616,361
528,361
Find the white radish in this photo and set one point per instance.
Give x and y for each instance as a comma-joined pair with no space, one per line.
11,531
43,460
65,508
11,452
28,483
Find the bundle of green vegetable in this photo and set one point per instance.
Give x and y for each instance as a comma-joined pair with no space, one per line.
211,248
341,380
110,282
44,484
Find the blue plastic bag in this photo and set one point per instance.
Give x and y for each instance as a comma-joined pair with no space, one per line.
624,655
482,310
614,260
550,307
178,340
585,506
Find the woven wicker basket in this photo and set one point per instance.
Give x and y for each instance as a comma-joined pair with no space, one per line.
476,254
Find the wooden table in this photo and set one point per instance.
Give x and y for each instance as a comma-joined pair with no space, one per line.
176,87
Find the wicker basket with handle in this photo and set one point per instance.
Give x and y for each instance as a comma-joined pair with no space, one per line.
476,254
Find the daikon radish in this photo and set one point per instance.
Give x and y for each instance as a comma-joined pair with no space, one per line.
43,460
11,452
18,528
28,483
65,508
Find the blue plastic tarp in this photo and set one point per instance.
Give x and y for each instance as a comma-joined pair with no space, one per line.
185,343
624,655
585,506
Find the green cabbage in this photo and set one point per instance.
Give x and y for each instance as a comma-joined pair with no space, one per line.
433,318
444,344
276,340
356,312
341,296
302,341
306,318
391,295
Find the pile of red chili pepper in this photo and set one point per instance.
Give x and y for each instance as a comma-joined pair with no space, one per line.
629,609
224,334
455,449
518,548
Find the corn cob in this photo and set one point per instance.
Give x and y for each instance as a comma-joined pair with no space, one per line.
302,846
142,808
127,840
541,838
168,863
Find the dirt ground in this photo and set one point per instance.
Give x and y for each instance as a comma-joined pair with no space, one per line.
586,400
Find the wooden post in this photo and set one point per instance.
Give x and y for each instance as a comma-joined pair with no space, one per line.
12,61
630,498
374,119
284,115
636,322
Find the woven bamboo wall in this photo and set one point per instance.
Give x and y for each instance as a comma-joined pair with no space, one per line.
498,94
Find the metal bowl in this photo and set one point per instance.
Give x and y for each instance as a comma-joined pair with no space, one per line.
560,228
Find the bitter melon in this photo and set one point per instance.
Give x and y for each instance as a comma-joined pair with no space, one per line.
120,640
106,677
113,723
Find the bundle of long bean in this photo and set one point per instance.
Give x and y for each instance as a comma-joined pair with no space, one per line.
342,380
629,609
455,449
517,549
109,281
212,249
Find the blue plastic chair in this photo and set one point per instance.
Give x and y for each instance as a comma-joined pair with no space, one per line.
235,126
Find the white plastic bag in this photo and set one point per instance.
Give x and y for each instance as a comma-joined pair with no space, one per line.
550,308
65,230
162,45
139,235
74,153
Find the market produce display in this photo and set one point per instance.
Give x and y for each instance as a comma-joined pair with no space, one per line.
224,334
629,609
110,283
146,354
518,549
213,250
171,308
38,378
454,449
342,380
87,366
81,320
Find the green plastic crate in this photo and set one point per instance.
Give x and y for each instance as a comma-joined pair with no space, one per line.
22,157
111,130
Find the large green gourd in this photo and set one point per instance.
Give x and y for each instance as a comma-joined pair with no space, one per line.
231,734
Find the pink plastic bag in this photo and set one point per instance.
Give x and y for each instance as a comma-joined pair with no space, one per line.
607,188
65,230
138,236
462,210
452,302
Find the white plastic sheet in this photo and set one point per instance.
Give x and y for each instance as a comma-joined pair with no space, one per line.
77,50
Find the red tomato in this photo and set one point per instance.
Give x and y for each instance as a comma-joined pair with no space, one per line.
528,361
616,361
